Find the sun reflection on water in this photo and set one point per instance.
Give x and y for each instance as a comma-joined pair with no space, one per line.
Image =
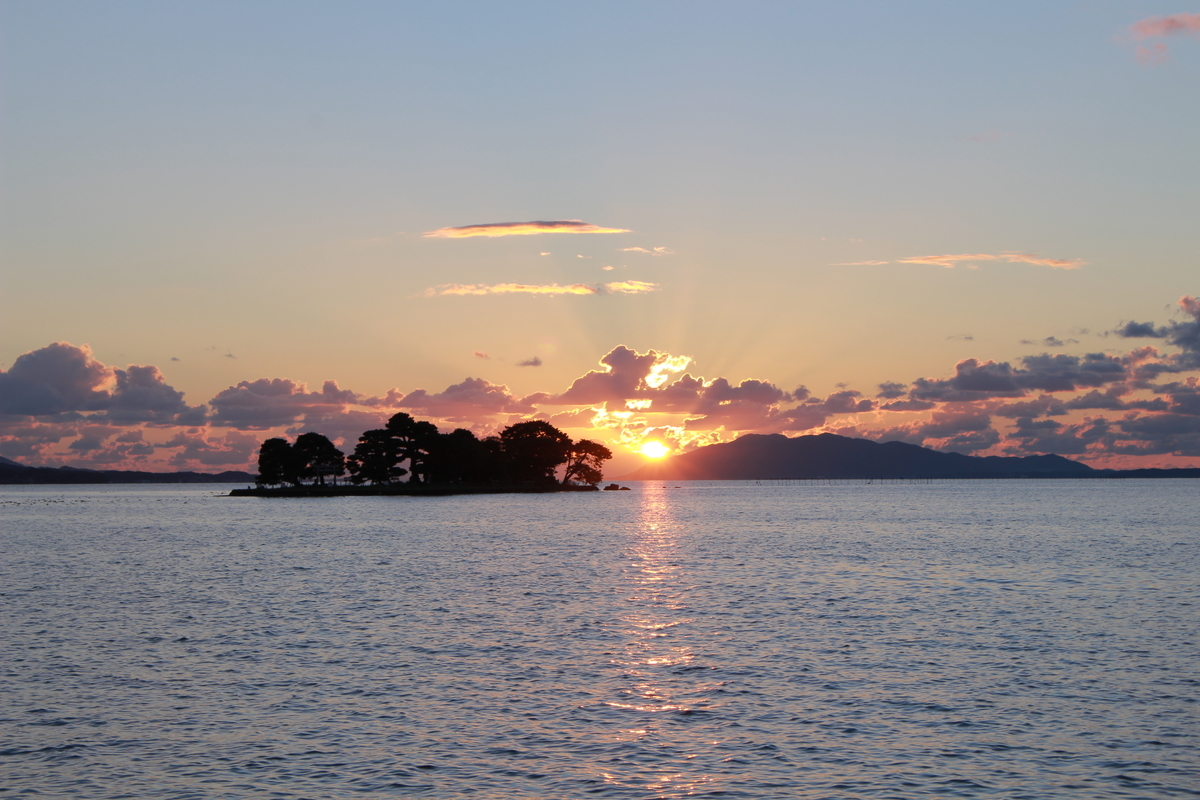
657,689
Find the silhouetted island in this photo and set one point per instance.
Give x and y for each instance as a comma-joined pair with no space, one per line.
525,457
829,456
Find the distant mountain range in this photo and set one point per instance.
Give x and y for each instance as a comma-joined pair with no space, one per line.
751,457
827,455
13,473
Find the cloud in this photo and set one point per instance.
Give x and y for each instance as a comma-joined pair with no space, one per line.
657,251
56,378
619,287
1161,28
63,378
341,426
1135,330
1055,263
60,404
951,261
471,397
521,229
628,287
143,395
481,354
962,428
1154,54
530,362
233,449
1043,406
271,402
624,373
1186,335
1051,341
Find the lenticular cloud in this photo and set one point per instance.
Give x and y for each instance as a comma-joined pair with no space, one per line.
491,229
951,261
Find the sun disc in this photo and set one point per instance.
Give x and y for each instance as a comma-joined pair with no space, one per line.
654,449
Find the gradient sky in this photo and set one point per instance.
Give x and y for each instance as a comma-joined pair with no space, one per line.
832,196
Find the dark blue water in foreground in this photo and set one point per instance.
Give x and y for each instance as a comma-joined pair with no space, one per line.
964,639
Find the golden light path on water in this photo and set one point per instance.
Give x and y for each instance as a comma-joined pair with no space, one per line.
656,642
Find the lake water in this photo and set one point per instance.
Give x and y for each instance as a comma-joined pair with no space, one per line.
1013,639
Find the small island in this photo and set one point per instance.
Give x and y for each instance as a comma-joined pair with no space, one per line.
524,457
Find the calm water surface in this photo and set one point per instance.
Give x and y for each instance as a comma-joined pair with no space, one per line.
994,639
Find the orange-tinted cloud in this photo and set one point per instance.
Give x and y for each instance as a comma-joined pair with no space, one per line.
619,287
951,261
657,251
521,229
628,287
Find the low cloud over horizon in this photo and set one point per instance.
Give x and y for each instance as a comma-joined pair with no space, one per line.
59,404
492,229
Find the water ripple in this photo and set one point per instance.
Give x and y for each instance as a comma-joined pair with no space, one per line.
1002,639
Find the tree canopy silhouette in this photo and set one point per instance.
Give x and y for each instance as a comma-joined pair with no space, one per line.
276,463
584,460
534,449
316,457
375,459
412,439
527,453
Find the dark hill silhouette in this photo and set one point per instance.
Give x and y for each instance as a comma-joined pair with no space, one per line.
775,456
12,472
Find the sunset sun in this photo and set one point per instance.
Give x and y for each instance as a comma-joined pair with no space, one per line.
654,450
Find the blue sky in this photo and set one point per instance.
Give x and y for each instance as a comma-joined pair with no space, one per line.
244,187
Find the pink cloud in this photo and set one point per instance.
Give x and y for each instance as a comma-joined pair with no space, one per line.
1173,25
1159,28
951,261
472,397
271,402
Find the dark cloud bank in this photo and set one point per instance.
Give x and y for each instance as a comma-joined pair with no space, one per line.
59,404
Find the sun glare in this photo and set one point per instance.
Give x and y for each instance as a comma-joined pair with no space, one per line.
655,449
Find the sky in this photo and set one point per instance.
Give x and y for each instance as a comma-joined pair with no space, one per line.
964,225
